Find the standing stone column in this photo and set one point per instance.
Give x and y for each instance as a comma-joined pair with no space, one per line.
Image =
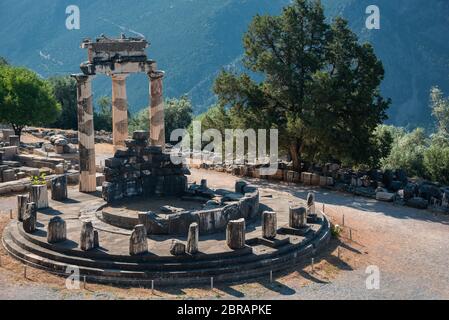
59,188
119,111
138,243
87,239
192,238
235,234
56,230
22,202
298,217
157,125
269,225
30,218
39,195
86,134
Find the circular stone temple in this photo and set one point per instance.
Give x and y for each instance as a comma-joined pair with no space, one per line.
149,224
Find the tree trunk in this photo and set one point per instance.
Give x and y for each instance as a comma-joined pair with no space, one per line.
295,156
17,130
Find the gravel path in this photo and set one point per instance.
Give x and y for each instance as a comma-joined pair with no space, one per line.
410,248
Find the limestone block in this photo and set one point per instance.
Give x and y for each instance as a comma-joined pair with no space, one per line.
7,133
239,185
9,153
9,175
138,242
306,178
297,217
385,196
14,141
315,179
417,202
59,169
39,195
235,234
177,248
22,201
30,218
87,238
311,210
59,188
56,230
192,238
269,224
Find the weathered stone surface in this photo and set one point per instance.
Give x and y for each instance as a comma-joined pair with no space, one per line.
59,169
141,135
138,242
22,202
56,230
39,195
311,209
269,224
87,238
177,248
235,234
417,202
193,238
240,185
385,196
8,175
14,140
297,217
96,239
59,188
30,218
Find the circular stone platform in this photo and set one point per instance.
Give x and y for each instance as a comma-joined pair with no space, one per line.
111,263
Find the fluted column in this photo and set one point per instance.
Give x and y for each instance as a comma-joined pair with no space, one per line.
86,134
157,125
119,111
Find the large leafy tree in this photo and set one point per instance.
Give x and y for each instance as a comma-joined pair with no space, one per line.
28,99
319,86
178,115
65,93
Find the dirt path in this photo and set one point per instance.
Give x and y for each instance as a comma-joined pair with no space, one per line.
408,246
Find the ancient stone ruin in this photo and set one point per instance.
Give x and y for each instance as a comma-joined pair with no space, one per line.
116,58
141,169
152,223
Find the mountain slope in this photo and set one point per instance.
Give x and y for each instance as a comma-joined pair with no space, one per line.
193,39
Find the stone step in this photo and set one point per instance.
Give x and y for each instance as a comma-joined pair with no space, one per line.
174,265
115,276
99,255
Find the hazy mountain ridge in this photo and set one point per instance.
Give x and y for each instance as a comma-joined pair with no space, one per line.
193,39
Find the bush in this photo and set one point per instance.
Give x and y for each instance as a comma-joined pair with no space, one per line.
436,162
407,152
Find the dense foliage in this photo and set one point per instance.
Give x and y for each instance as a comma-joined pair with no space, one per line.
320,87
25,99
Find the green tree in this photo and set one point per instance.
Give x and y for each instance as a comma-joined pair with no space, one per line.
28,99
103,116
3,61
320,86
65,93
407,152
440,109
178,115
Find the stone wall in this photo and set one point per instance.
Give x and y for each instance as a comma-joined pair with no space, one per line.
142,170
